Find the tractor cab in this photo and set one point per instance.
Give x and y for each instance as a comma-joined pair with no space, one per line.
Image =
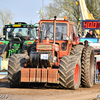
61,29
56,39
17,39
20,31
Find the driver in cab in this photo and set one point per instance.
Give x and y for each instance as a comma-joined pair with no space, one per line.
19,34
58,35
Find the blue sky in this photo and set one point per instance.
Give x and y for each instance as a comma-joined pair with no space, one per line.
24,10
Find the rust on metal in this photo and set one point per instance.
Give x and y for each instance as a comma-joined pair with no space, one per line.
52,75
44,75
33,74
39,75
25,75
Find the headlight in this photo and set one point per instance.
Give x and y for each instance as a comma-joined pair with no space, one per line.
37,37
54,59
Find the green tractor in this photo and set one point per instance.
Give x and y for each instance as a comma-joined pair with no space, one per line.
17,39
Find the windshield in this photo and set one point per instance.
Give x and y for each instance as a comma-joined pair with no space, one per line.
20,33
61,30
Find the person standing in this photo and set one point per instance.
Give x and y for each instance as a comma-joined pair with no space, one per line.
90,34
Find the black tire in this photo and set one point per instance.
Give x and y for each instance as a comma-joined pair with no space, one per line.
73,73
87,71
77,50
16,63
72,50
67,73
62,71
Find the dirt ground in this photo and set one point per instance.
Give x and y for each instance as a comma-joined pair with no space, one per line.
47,93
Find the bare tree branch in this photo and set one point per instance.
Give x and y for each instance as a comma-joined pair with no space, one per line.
5,17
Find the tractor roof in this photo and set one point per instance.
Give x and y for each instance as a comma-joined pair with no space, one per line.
58,20
20,24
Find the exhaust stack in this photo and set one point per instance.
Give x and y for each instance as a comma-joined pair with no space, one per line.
54,29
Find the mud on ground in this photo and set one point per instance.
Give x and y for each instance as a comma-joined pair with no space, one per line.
47,93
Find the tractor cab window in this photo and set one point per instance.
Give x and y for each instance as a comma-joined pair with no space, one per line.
33,33
61,31
18,34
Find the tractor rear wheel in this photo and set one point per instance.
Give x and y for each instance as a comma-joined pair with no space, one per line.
77,50
16,62
70,72
87,71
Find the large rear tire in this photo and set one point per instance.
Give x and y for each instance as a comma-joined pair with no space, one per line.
87,71
16,63
70,72
77,50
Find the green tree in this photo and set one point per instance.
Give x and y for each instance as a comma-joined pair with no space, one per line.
68,8
94,8
62,8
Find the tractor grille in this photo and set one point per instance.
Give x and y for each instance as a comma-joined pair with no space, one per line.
44,46
47,62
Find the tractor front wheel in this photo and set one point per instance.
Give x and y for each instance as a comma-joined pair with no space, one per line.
73,73
16,62
70,72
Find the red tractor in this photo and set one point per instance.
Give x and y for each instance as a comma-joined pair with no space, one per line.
56,57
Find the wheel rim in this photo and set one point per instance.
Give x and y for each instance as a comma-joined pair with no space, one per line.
76,76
